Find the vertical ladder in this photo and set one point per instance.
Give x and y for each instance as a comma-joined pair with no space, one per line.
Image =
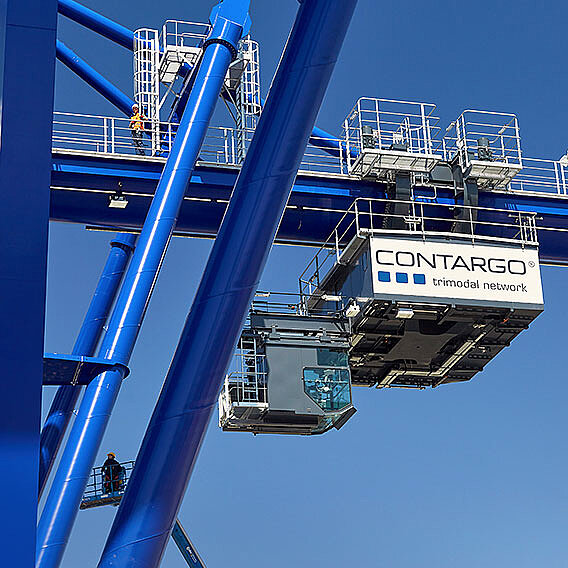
147,81
248,99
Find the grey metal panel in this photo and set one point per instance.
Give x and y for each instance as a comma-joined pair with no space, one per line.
285,379
358,280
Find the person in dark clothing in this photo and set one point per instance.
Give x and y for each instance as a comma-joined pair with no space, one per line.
112,474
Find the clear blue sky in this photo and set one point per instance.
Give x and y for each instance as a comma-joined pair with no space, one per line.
470,475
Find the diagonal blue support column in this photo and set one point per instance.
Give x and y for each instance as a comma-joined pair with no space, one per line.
96,22
88,429
93,78
27,72
66,397
149,507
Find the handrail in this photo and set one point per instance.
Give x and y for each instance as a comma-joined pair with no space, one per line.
360,221
111,135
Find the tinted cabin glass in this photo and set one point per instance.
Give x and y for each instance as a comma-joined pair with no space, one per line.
333,358
329,388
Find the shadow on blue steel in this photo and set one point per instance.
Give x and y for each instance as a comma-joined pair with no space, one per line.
88,429
146,516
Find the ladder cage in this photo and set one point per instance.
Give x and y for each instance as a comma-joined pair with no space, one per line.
248,98
146,81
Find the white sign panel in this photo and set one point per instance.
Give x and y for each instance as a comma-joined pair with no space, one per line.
456,270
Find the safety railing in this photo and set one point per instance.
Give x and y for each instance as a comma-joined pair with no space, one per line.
487,146
383,126
183,34
286,303
541,176
367,216
107,135
105,488
111,135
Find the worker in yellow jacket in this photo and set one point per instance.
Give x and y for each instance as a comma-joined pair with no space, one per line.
137,129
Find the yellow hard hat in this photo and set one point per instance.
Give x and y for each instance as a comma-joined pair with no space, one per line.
111,454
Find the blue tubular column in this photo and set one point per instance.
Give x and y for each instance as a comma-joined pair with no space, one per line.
114,95
149,507
66,397
97,23
89,426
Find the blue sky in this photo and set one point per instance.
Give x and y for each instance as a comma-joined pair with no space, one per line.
469,475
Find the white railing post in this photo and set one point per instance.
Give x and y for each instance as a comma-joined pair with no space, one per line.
347,145
112,129
105,134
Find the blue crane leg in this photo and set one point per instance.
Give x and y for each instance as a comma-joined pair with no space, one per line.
66,397
27,74
88,429
114,95
97,23
149,507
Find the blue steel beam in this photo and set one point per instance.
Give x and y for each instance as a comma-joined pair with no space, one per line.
27,68
66,397
102,85
149,507
94,412
97,23
81,185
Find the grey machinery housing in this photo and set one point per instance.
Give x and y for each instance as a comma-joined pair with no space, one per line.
411,343
295,376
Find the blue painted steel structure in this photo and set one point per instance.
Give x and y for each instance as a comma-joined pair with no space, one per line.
66,397
171,444
313,210
114,95
94,21
194,200
87,431
28,31
186,547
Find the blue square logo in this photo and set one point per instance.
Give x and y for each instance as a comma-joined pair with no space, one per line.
384,276
419,279
402,277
